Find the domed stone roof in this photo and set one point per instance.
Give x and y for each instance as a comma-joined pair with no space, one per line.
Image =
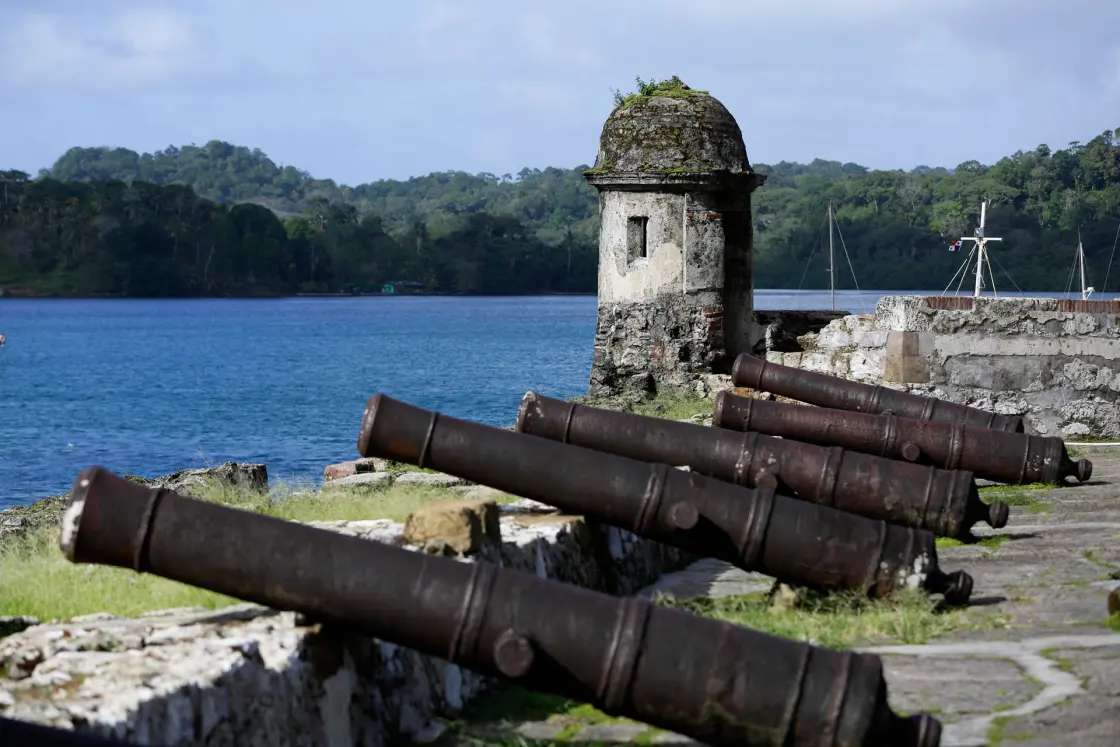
671,128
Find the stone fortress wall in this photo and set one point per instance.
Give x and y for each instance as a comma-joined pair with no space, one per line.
1056,362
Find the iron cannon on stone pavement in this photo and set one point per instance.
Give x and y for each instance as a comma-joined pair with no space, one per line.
755,529
944,502
841,394
1013,458
715,682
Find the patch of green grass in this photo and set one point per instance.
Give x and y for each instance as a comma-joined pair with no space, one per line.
1092,557
36,580
997,732
674,406
490,719
839,620
673,87
1113,622
993,542
1018,495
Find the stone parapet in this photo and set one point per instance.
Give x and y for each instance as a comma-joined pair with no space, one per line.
1054,362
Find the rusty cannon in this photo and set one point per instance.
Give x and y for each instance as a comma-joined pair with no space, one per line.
1013,458
831,391
942,501
665,667
15,733
792,540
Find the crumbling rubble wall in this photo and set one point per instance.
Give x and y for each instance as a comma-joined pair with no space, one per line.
254,677
1054,362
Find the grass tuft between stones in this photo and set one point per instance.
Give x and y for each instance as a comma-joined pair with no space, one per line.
668,406
37,581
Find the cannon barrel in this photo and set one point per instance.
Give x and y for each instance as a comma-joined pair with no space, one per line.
1013,458
15,733
840,394
942,501
668,668
789,539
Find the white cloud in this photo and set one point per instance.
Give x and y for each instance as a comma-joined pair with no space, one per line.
132,48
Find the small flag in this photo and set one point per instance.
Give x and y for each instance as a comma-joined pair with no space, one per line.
955,246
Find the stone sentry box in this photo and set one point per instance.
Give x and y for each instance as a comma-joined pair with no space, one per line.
675,242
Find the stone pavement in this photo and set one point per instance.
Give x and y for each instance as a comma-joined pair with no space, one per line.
1050,677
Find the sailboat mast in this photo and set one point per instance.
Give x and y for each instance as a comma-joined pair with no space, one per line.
980,249
1081,262
832,261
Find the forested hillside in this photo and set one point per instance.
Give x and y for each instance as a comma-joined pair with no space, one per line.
224,219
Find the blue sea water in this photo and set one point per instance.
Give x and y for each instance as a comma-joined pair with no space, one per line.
149,387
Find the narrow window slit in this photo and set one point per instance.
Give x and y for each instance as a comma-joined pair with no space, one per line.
636,236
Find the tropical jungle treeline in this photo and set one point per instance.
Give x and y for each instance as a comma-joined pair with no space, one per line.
226,220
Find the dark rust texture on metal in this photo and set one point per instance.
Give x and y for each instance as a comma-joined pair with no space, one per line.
668,668
942,501
831,391
789,539
15,733
1013,458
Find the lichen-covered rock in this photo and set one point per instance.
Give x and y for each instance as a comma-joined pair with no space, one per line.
20,520
251,677
248,477
428,479
360,480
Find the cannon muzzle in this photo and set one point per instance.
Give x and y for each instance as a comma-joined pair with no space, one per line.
841,394
668,668
795,541
944,502
1013,458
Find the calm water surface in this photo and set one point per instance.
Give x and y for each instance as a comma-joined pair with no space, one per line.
150,387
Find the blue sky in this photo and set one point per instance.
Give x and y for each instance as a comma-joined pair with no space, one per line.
357,90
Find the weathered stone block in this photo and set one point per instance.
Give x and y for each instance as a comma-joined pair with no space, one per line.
463,525
905,360
355,467
429,479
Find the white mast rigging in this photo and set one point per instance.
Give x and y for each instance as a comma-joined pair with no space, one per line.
1085,291
981,249
832,261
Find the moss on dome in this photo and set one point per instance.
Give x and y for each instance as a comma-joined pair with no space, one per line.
667,127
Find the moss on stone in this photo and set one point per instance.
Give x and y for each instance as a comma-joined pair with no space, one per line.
667,126
672,88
